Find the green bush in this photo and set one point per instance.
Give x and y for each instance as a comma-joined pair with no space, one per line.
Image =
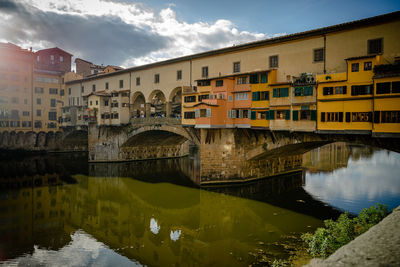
335,234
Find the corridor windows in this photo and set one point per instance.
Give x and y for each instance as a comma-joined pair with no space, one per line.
355,67
273,61
157,78
236,67
375,46
319,55
204,72
179,75
368,65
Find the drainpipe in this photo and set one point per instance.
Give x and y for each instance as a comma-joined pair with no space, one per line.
324,54
190,73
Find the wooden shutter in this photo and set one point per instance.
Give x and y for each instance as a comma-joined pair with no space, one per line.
272,114
322,116
295,115
253,115
196,113
287,115
208,113
340,116
313,115
377,117
267,115
348,116
275,92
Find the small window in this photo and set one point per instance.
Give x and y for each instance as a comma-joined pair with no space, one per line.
383,88
204,72
106,85
242,80
156,78
62,92
106,103
37,58
219,83
375,46
236,66
93,88
355,67
273,61
121,83
38,112
61,59
137,80
69,91
368,65
318,55
52,57
38,101
179,75
52,103
82,89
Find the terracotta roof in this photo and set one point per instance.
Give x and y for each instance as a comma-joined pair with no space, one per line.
361,57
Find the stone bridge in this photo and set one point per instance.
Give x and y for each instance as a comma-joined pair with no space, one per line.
226,155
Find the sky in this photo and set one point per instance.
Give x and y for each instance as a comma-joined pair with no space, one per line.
131,33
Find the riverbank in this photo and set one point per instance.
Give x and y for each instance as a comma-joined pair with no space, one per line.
379,246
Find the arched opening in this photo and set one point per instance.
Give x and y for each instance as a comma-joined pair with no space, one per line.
157,104
175,99
138,106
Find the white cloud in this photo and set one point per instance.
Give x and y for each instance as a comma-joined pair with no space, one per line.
176,37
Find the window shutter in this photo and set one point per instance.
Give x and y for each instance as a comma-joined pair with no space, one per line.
377,117
341,116
240,113
313,115
253,115
267,95
369,116
208,113
287,115
295,115
275,92
196,113
272,114
287,93
345,90
348,116
229,114
267,115
248,114
254,96
322,116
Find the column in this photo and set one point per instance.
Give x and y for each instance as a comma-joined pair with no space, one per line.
168,108
148,110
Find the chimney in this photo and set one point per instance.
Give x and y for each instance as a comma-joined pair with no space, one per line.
30,48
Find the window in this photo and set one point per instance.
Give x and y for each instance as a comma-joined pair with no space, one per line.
341,90
39,90
25,113
375,46
38,124
15,100
332,116
93,88
156,78
106,85
179,75
52,103
38,112
52,115
114,116
37,58
38,101
205,113
273,61
69,91
26,124
361,116
204,83
355,67
242,96
82,89
106,103
189,99
121,83
236,66
368,65
219,83
260,96
242,80
283,114
383,88
254,78
390,116
26,101
280,92
61,59
53,91
62,93
264,77
204,72
230,98
189,115
303,91
318,55
52,57
395,87
361,90
137,80
201,97
97,103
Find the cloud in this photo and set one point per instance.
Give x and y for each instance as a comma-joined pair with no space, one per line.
113,32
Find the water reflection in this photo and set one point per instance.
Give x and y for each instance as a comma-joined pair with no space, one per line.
353,177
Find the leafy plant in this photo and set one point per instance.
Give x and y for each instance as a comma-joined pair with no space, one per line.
335,234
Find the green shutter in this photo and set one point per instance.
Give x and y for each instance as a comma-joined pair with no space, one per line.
267,115
253,115
286,92
322,116
267,96
264,77
313,115
295,115
258,95
272,114
275,92
287,115
254,96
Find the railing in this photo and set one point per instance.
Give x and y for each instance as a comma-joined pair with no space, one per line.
155,121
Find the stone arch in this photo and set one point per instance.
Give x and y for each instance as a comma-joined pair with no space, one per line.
175,102
40,139
50,140
4,139
13,139
30,139
157,102
138,105
19,142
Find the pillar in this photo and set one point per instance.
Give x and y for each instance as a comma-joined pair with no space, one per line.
148,110
168,107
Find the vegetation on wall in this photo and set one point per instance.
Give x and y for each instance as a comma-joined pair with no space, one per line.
326,240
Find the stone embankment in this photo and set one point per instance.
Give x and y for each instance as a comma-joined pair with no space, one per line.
379,246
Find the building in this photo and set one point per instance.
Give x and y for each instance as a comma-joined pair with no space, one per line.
276,84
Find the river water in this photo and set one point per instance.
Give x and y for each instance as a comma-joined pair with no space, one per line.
58,210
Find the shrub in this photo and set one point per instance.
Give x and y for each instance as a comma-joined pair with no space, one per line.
335,234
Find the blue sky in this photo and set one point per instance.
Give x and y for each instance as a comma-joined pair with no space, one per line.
129,33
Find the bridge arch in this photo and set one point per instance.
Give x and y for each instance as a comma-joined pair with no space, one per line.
175,102
138,105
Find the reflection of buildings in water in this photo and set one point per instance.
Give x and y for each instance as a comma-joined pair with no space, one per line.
335,156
